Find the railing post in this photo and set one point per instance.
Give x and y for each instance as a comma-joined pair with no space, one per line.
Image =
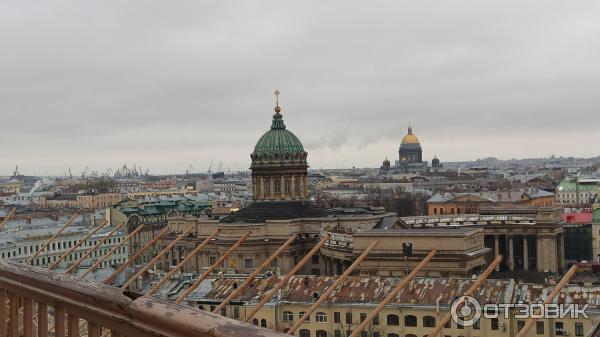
73,326
42,319
3,313
59,322
28,317
14,315
93,330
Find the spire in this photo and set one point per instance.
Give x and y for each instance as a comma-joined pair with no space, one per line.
277,117
409,129
277,108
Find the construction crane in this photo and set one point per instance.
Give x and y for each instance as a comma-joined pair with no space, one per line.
210,166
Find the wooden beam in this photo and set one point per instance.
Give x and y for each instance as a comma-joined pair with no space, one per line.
79,243
255,273
469,292
110,252
60,230
132,259
189,256
158,256
211,268
563,282
8,216
324,296
392,294
91,250
267,296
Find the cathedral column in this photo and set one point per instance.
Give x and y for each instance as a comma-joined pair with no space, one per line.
511,254
526,252
496,250
303,186
261,187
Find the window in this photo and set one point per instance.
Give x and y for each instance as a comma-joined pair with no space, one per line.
336,317
434,210
539,327
411,335
320,317
363,333
392,335
286,185
248,263
277,185
288,316
321,333
296,185
494,323
337,333
477,325
236,312
224,311
304,333
376,320
429,321
301,313
578,329
520,325
363,316
410,320
267,187
255,322
376,334
263,323
460,326
348,318
315,259
393,320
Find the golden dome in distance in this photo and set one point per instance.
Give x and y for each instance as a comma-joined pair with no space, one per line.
410,138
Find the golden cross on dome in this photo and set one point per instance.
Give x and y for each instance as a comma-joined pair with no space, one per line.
277,108
277,96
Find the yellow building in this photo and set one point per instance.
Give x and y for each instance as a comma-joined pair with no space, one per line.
415,311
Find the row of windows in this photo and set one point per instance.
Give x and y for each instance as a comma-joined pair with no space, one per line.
277,185
392,320
57,246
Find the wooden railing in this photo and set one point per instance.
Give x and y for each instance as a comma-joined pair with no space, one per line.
41,303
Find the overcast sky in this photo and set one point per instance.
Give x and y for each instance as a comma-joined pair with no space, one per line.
174,83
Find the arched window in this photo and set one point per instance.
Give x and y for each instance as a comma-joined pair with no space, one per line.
267,186
411,335
297,185
288,316
321,333
277,185
301,313
393,320
392,335
304,333
255,322
286,185
320,317
263,323
410,320
429,321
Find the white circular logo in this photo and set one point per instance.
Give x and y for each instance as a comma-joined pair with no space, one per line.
465,311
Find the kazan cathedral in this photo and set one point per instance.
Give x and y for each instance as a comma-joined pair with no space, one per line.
410,157
282,218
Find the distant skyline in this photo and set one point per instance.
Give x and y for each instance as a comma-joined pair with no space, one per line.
168,85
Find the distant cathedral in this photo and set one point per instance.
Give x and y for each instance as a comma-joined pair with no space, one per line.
410,157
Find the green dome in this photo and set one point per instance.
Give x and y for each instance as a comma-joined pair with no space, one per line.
278,139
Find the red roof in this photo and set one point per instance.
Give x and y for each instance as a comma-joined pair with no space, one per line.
577,218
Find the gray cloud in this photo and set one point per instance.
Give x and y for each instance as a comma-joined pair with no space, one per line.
167,85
